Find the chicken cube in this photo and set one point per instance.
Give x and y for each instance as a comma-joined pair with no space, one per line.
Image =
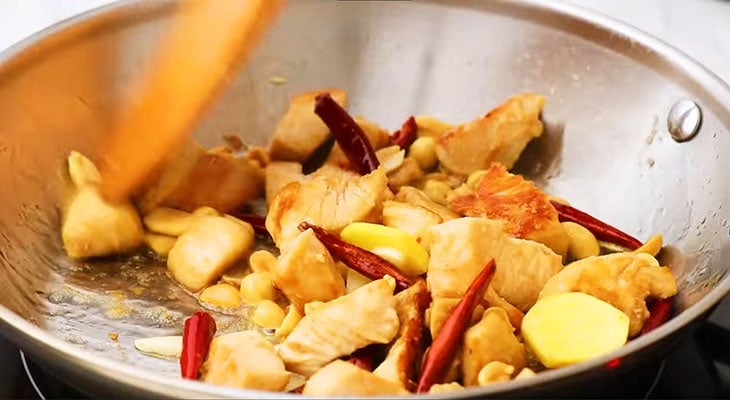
407,349
410,218
194,177
343,379
492,339
306,272
409,194
279,174
341,326
623,280
331,202
301,131
461,247
407,173
207,249
500,136
244,360
525,210
94,227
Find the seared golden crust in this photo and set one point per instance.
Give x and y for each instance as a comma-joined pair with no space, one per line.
500,195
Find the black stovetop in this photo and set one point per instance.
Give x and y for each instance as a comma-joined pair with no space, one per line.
699,368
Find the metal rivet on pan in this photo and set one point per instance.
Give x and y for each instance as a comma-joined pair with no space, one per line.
684,120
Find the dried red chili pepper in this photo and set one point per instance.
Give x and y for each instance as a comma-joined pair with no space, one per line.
197,335
659,312
359,259
362,358
600,229
257,222
444,346
347,133
406,135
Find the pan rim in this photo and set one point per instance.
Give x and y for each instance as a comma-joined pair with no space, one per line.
37,341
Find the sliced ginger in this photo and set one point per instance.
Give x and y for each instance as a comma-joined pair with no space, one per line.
568,328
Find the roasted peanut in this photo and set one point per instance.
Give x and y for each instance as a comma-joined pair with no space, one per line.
268,314
256,287
423,150
221,295
582,242
261,261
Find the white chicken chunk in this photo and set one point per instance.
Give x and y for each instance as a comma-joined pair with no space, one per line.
492,339
306,272
410,218
343,379
193,177
624,280
93,227
524,209
244,360
500,136
408,348
208,248
461,247
279,174
409,194
328,201
301,131
341,326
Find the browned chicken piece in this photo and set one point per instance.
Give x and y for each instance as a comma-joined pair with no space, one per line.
624,280
409,194
244,360
301,131
306,272
341,326
410,218
525,209
500,136
343,379
377,136
492,339
408,348
328,202
461,247
279,174
194,177
442,307
408,173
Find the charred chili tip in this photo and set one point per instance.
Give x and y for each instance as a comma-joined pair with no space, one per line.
347,133
600,229
444,346
406,135
197,334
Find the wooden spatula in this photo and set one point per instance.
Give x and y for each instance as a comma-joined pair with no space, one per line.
207,40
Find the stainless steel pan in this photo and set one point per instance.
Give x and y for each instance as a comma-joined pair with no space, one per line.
607,149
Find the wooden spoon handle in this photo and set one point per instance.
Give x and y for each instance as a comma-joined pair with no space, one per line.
206,42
